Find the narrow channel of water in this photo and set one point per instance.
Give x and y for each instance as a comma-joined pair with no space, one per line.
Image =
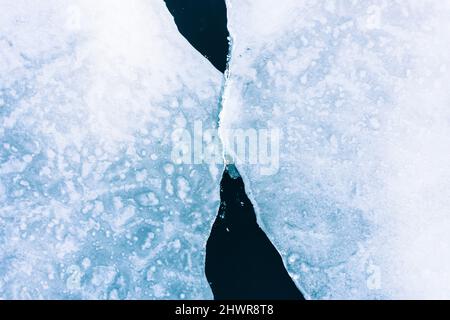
241,262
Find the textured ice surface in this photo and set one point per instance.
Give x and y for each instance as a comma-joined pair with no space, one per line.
360,207
91,205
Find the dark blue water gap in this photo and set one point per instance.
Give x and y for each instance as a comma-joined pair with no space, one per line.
204,24
241,262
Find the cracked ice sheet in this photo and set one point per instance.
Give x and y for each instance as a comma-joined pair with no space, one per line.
360,206
92,206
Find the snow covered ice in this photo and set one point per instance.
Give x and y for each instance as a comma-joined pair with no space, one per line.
360,205
91,205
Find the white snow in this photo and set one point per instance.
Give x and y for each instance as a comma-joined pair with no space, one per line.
89,93
360,207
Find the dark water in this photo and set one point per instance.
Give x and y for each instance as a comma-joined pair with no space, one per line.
204,24
241,262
